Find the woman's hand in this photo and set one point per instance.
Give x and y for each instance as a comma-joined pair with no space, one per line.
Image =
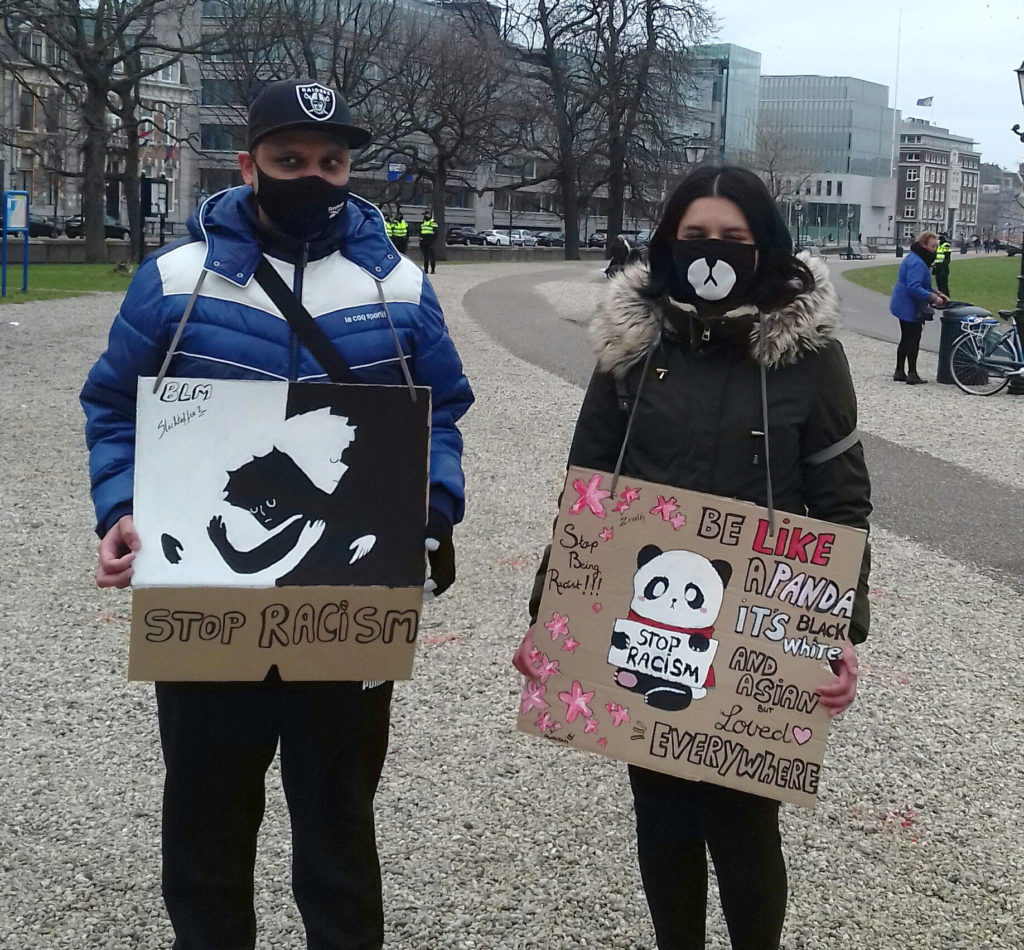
836,697
521,659
938,300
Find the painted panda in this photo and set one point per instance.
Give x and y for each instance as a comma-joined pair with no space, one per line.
664,648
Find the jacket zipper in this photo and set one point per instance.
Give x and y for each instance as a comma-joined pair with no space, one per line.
293,358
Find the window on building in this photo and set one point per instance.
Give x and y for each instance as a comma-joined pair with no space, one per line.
839,189
913,174
26,105
908,211
221,92
911,193
817,187
222,138
828,189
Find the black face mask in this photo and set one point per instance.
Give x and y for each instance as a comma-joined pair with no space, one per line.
713,275
302,208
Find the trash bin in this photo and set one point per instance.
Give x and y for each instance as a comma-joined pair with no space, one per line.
1016,387
951,316
899,250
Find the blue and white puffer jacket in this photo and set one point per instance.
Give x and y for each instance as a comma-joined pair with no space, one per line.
235,332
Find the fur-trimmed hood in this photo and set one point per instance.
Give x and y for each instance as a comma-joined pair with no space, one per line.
626,322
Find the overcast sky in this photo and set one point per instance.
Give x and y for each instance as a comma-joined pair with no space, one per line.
962,52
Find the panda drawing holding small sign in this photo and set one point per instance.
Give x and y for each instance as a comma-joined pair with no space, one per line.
664,648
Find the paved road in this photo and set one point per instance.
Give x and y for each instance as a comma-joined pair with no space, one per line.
913,492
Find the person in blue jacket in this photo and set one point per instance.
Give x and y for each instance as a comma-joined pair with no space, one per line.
913,291
218,739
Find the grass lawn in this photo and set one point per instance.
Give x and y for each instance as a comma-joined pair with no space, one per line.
49,281
986,280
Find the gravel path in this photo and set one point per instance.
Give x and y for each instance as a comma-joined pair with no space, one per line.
490,839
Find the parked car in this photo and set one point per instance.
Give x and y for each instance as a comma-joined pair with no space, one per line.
641,240
551,239
1010,249
522,238
597,239
463,234
497,238
74,227
42,227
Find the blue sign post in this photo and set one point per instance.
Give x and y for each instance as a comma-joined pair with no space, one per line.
15,221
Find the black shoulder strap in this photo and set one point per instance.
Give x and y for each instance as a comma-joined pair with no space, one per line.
309,332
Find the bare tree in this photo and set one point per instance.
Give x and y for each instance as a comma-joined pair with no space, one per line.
554,41
451,102
343,43
640,79
778,159
95,52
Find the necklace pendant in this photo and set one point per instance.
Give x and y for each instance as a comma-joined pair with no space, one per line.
662,372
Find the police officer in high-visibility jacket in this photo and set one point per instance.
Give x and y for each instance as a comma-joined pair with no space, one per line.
400,233
428,237
940,268
389,225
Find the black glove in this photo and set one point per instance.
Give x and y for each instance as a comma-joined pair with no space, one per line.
440,555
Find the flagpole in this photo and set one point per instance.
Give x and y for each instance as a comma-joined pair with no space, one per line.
895,101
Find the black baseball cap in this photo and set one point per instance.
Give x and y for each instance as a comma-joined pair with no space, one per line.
302,104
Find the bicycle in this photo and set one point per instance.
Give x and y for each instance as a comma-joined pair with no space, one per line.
985,356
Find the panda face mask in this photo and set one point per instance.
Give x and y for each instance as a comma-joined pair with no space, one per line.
712,275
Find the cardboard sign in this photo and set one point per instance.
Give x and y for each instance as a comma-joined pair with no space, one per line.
677,634
281,524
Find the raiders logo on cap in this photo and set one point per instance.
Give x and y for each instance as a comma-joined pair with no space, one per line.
302,103
318,102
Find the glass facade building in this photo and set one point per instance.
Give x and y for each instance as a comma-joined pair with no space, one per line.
834,124
724,97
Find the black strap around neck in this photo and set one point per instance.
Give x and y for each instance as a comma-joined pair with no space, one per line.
309,332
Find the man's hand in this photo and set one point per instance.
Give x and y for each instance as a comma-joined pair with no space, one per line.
836,697
440,555
521,659
117,552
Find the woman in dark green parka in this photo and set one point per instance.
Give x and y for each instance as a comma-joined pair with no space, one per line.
725,352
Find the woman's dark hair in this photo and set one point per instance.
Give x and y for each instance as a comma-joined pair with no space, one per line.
780,276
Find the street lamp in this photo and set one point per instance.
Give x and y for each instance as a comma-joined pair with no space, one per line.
849,233
695,152
799,209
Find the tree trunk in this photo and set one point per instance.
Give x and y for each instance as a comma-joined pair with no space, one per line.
616,188
132,184
570,204
440,180
94,157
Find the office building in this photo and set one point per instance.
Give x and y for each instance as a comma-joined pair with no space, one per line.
938,181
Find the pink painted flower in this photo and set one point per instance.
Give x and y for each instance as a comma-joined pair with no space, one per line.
547,668
533,697
592,495
678,521
607,534
602,742
591,725
621,507
629,495
665,507
558,625
546,724
576,702
569,644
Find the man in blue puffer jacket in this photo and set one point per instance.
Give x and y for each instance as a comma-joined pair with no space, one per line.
219,738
